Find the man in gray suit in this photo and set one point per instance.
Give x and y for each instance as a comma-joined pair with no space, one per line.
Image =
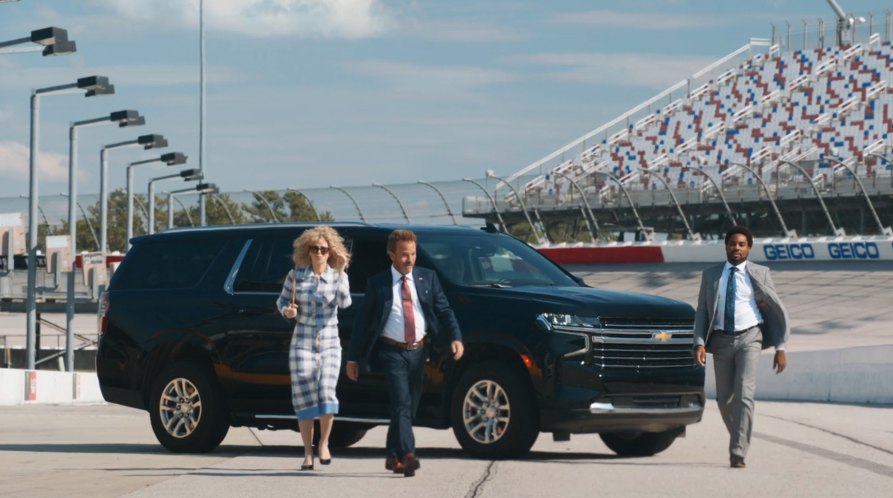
738,315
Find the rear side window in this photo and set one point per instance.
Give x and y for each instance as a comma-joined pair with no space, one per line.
177,264
265,266
368,257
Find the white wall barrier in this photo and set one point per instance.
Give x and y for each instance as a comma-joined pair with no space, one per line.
852,375
44,386
858,248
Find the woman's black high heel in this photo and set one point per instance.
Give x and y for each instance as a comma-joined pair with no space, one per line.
307,466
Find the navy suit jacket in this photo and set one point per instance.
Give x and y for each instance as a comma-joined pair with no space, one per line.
440,322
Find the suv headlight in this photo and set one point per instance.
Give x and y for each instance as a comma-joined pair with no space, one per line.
552,321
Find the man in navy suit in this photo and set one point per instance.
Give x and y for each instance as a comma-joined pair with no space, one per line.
404,310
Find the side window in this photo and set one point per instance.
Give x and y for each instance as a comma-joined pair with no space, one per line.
177,264
265,266
367,257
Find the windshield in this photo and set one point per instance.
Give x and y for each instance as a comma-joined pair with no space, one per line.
490,260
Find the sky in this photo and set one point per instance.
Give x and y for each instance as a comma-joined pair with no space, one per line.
310,93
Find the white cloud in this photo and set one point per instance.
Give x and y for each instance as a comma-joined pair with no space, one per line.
463,32
445,81
14,162
263,18
639,20
622,69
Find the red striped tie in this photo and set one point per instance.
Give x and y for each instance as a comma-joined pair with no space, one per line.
408,313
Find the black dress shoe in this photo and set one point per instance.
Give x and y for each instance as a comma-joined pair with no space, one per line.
325,461
306,466
737,463
393,464
410,464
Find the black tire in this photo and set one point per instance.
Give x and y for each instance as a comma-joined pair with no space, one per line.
493,413
344,434
186,409
639,443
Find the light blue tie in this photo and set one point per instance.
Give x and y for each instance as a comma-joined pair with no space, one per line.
729,320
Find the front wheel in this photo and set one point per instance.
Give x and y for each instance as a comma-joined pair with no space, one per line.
186,409
493,413
639,443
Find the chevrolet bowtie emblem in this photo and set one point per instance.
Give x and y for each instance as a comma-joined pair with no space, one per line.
662,336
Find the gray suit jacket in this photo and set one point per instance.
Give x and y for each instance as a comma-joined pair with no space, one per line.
775,318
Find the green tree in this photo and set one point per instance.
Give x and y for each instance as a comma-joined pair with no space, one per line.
301,208
220,209
259,211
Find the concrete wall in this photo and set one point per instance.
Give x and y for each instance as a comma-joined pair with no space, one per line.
859,375
19,387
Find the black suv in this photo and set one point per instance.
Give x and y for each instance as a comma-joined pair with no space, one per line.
190,332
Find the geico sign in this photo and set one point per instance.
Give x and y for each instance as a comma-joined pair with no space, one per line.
853,250
775,252
836,250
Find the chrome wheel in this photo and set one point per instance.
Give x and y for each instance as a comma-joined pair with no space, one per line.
486,412
180,408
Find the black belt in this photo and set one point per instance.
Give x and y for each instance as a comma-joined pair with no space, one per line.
737,332
408,346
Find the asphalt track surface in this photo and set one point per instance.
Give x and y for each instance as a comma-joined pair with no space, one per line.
103,450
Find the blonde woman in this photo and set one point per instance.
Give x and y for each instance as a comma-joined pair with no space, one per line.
311,295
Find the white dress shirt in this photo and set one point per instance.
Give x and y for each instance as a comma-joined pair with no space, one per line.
393,328
747,314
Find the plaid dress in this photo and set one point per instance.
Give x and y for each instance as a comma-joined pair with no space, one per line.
314,356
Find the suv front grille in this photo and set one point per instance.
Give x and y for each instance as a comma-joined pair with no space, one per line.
642,343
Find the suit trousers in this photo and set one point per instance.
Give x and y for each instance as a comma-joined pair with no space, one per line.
735,362
404,371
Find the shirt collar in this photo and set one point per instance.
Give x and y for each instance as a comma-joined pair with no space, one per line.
325,276
396,275
741,267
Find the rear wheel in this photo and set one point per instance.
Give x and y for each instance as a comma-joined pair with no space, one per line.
186,409
639,443
493,413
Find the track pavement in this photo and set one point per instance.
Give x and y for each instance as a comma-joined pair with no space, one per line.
799,449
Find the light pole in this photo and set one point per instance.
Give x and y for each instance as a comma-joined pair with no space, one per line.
201,189
54,41
144,141
834,229
884,230
122,119
169,159
86,220
90,86
442,198
266,203
188,175
576,185
400,204
492,201
648,235
691,235
784,227
309,202
536,233
354,201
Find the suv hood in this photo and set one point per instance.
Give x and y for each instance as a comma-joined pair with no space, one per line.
590,301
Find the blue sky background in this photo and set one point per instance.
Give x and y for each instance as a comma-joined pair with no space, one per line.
308,93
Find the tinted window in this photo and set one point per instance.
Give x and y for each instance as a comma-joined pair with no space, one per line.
367,258
175,264
495,260
265,266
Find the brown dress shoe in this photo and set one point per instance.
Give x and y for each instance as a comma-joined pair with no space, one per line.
393,464
737,463
410,464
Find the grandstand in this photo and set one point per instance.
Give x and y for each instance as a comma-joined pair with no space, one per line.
787,139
